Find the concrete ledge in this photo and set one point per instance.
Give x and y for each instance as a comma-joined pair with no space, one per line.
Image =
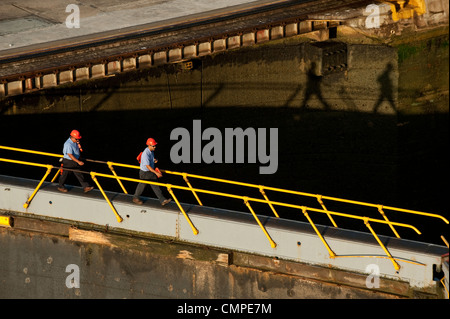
331,275
42,226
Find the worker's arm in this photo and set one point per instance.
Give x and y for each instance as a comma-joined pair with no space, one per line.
75,160
153,171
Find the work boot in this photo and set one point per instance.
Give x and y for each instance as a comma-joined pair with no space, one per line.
63,189
167,201
88,189
137,201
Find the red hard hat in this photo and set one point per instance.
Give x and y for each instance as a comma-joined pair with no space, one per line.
151,142
75,134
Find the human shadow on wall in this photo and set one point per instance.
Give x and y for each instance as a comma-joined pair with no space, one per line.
386,88
313,87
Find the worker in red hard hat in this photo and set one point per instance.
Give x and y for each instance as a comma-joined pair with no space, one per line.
71,161
148,171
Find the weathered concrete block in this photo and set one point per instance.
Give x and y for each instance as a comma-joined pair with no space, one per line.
175,54
248,39
145,61
38,82
291,29
15,87
29,84
113,67
160,58
220,45
319,25
204,48
305,26
262,36
190,51
49,80
66,77
277,32
129,64
98,71
234,42
82,74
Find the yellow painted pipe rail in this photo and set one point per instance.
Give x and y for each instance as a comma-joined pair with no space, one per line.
246,200
319,197
304,209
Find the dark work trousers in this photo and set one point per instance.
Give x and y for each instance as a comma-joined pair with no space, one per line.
72,165
149,176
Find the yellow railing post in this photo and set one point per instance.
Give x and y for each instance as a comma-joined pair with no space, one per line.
195,230
272,243
190,186
396,265
380,209
261,190
94,178
110,165
319,199
445,287
56,175
27,203
444,240
330,251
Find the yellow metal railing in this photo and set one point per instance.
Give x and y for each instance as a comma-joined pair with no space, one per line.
247,200
319,197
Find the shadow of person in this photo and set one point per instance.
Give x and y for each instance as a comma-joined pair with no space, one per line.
386,88
313,87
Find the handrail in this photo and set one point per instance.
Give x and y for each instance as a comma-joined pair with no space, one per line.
317,196
303,208
245,199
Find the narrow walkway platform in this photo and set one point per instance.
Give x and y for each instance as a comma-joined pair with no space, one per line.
224,229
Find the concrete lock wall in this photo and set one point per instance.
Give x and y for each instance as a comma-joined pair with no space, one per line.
275,76
35,265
